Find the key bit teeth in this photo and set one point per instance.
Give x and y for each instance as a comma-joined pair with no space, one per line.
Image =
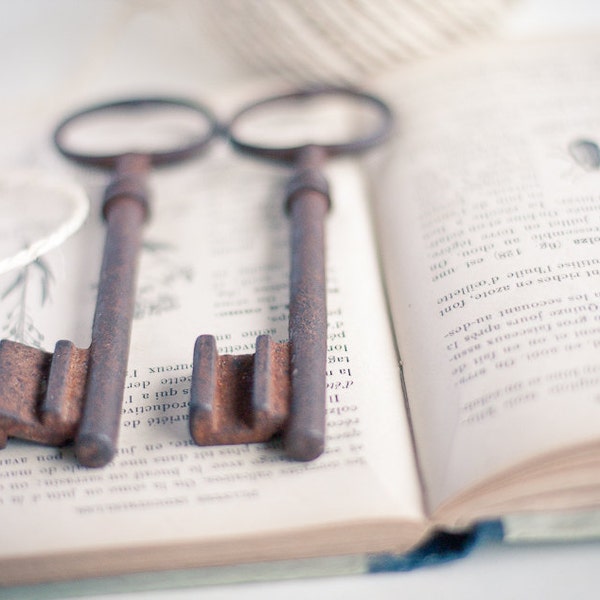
66,385
203,411
238,399
271,390
23,378
41,394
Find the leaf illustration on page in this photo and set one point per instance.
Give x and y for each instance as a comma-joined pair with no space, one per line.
20,325
157,290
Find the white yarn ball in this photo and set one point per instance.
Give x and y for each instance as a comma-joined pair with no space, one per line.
340,40
40,211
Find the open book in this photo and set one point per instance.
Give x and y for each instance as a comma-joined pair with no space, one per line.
477,399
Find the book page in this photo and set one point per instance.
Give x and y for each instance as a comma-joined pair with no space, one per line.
490,235
215,260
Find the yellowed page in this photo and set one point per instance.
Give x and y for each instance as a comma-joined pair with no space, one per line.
215,261
490,234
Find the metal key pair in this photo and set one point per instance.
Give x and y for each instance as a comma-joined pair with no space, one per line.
76,394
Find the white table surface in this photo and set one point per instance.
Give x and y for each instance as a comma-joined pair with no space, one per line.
493,571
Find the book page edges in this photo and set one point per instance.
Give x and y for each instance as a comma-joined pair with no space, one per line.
155,581
356,539
555,483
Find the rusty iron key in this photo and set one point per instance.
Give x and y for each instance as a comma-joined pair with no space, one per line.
282,387
77,393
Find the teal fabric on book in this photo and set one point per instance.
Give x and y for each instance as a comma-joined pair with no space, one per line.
440,548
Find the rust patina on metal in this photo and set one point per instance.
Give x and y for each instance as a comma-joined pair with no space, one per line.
77,393
282,387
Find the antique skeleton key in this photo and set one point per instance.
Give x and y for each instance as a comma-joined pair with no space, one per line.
282,387
77,393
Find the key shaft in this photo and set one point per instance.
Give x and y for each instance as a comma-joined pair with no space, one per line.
308,203
125,211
